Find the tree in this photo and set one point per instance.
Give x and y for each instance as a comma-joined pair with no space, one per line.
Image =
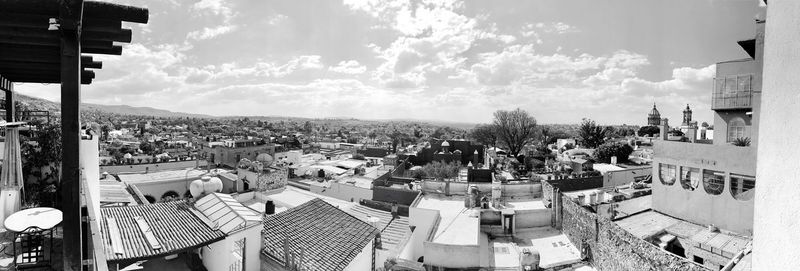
485,134
604,152
591,134
514,128
648,131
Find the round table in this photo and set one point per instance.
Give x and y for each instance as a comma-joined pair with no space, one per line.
43,217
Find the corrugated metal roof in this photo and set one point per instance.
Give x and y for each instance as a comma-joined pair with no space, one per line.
171,223
329,237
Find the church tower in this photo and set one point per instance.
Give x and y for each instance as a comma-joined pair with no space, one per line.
654,118
687,116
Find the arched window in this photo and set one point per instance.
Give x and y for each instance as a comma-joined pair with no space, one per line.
690,178
713,181
736,129
742,187
667,173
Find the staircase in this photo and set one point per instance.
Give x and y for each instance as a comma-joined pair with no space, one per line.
393,230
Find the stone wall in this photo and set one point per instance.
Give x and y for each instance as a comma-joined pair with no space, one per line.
568,185
274,179
609,247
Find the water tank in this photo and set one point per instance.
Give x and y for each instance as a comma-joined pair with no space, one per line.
269,208
204,186
593,198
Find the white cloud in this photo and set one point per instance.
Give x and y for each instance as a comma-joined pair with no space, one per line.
208,33
348,67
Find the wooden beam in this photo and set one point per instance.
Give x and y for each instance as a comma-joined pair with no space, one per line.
114,50
123,35
10,106
47,80
14,65
74,244
92,9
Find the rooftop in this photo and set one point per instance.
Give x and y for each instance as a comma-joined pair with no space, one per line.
162,176
227,213
140,232
329,237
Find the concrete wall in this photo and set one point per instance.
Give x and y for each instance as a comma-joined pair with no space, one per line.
363,261
452,256
219,255
389,194
777,240
423,220
341,191
532,218
611,248
621,177
698,206
157,189
141,168
721,121
521,190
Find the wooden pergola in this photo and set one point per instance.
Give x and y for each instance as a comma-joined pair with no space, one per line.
51,41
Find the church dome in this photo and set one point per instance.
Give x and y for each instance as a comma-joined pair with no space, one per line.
654,118
654,112
445,144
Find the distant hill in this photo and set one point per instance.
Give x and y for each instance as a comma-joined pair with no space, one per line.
42,104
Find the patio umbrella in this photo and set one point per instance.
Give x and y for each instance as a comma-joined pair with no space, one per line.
11,176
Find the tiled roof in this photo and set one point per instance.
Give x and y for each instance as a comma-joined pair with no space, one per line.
172,223
393,230
227,213
329,237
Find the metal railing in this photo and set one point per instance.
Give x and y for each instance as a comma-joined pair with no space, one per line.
735,100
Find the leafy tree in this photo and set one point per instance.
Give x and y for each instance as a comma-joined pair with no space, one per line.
591,134
485,134
440,170
648,131
514,128
604,152
705,124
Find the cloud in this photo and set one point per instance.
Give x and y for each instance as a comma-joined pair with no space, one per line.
348,67
208,33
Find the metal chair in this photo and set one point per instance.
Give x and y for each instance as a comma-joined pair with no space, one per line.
30,250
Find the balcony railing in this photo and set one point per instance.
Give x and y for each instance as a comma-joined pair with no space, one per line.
735,100
732,92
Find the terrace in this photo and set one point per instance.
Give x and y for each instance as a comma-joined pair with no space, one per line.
45,42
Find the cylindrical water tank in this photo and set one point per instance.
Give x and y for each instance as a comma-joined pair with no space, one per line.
269,208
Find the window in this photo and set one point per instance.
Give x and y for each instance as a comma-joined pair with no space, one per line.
719,85
713,181
690,178
667,173
744,83
698,260
238,255
742,186
730,85
736,129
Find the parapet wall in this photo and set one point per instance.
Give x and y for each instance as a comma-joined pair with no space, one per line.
609,247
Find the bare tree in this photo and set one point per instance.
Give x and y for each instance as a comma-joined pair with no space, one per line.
515,128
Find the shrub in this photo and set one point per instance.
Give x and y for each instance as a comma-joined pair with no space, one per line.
741,142
604,152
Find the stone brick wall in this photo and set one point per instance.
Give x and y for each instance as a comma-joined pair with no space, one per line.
568,185
277,178
612,248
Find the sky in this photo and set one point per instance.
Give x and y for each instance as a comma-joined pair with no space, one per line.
560,60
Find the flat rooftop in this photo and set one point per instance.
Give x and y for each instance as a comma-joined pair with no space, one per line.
449,209
464,229
652,223
554,247
533,204
162,176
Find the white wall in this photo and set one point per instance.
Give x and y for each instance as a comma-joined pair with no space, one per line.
220,254
344,192
777,210
452,256
532,218
621,177
423,220
363,261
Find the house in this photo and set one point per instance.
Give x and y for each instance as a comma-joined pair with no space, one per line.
240,248
318,236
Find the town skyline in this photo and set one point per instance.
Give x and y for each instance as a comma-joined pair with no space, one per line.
445,61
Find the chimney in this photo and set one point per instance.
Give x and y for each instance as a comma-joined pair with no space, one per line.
269,208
